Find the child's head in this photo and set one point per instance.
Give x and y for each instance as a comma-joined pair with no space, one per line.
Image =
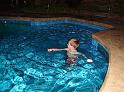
73,42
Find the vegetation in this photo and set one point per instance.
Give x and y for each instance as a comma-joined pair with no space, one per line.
65,6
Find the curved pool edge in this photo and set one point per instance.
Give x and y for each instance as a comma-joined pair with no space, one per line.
61,18
113,40
109,64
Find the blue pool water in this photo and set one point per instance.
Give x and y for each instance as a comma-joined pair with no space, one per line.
27,66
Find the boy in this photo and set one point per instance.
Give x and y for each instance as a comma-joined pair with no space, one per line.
72,52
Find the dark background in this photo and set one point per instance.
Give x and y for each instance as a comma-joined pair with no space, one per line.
112,7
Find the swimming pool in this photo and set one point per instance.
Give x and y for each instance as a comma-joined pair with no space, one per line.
27,66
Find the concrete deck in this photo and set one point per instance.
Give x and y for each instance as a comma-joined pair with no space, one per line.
114,41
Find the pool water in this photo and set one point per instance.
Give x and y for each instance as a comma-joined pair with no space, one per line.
27,66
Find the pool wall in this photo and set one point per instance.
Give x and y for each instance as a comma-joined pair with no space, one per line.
109,51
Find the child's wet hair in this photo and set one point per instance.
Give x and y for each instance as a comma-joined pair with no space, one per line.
74,42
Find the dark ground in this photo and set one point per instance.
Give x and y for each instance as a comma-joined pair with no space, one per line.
100,17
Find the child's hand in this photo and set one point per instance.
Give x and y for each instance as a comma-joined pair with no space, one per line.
49,50
89,60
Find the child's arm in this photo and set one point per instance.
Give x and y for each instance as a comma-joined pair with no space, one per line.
82,55
55,49
88,60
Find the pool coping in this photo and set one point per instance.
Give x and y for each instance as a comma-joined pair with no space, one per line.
109,51
114,40
60,18
94,35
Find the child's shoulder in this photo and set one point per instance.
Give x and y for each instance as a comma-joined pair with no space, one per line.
74,52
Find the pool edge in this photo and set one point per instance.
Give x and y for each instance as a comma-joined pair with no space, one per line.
109,53
61,18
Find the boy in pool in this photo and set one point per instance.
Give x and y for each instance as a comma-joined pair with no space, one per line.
72,52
